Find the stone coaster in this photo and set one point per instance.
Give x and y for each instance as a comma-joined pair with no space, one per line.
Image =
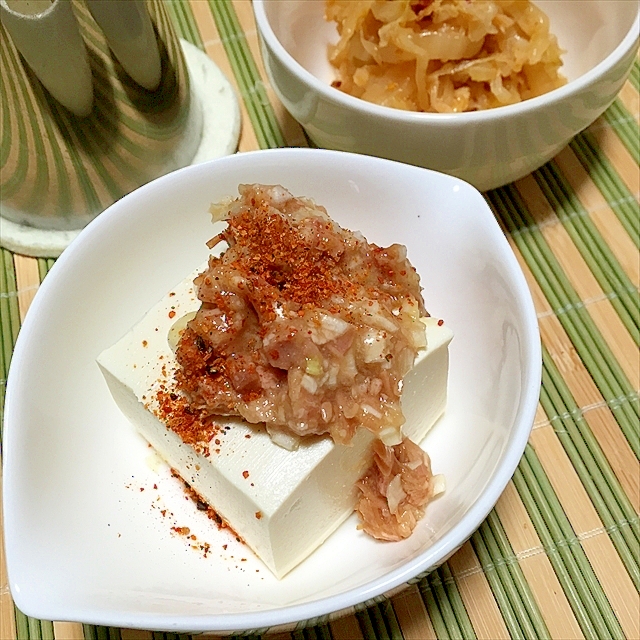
220,134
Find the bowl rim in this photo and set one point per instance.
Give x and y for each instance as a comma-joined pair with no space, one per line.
343,602
266,33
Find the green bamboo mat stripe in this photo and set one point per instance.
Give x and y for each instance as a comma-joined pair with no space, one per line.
510,588
586,597
607,270
622,202
496,577
320,632
94,632
9,322
626,126
454,602
525,607
436,617
32,628
609,499
571,312
184,22
377,622
634,76
444,605
313,627
252,88
44,266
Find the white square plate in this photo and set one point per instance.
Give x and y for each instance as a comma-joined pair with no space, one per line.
90,511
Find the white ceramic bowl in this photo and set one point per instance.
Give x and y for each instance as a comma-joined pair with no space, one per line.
84,542
487,148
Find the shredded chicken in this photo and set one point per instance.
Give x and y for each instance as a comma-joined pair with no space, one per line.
395,490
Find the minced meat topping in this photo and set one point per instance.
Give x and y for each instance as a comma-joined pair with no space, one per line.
310,329
304,326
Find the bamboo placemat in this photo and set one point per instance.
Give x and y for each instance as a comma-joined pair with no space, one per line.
558,557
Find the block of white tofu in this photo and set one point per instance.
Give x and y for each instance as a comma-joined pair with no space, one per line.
283,503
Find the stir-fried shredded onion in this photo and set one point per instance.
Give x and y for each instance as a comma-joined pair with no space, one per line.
443,55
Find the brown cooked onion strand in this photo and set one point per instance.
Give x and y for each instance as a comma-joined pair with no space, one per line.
443,55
